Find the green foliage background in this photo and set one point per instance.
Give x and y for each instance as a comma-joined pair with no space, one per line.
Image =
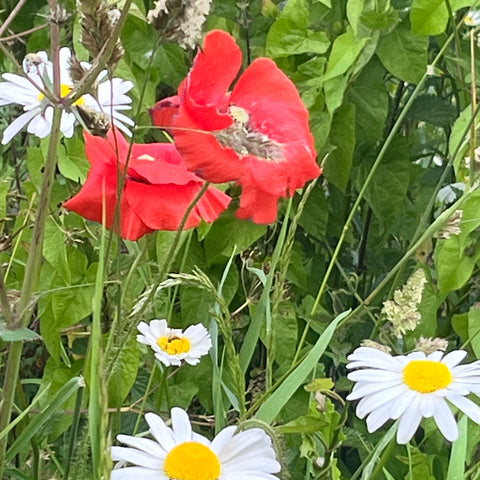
389,135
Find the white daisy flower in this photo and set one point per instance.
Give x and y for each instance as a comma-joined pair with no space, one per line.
411,387
472,19
181,454
38,110
171,345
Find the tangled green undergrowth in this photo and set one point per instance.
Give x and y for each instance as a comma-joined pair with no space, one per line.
376,259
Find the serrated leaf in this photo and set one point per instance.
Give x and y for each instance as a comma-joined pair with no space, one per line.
404,54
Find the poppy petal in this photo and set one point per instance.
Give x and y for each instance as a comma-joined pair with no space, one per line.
99,188
160,163
214,69
163,111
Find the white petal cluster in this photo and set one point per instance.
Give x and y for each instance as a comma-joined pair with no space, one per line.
110,97
246,455
198,338
384,394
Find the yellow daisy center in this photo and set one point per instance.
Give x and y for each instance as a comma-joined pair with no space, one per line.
192,461
174,345
64,91
426,376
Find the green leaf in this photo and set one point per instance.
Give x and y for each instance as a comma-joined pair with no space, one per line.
474,329
289,34
456,466
309,80
345,51
460,325
303,424
434,110
388,188
319,385
404,54
454,267
18,335
342,136
227,233
55,250
72,161
4,188
123,373
35,163
370,98
314,217
35,425
334,90
272,406
429,17
320,126
460,135
285,333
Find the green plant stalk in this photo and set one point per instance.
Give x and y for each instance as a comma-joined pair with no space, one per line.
473,130
36,424
375,165
96,403
32,271
73,434
278,292
172,253
147,393
439,222
251,338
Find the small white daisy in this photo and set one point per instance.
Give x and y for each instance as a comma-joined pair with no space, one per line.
472,19
411,387
181,454
38,110
172,345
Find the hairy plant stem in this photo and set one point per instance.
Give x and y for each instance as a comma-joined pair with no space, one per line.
32,270
34,260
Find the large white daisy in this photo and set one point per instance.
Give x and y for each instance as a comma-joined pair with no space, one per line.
410,387
109,97
181,454
172,345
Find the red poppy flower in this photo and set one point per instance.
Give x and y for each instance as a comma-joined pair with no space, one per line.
257,135
158,188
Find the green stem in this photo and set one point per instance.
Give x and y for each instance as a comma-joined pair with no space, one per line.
375,165
32,270
145,396
383,460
